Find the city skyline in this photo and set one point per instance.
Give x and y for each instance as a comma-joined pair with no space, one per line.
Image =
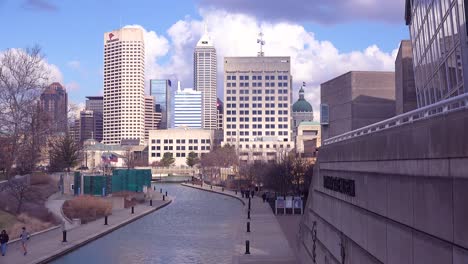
173,37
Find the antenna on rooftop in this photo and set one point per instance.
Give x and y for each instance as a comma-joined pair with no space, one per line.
261,42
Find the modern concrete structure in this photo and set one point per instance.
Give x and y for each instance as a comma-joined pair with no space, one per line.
124,85
187,108
90,122
301,112
308,139
356,99
161,90
204,74
405,90
180,142
257,100
95,103
392,193
152,118
441,53
54,101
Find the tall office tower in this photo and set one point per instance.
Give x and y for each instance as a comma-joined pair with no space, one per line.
440,48
152,118
257,101
161,90
205,67
54,101
124,86
93,111
187,108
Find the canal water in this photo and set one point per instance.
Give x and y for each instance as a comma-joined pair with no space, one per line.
197,227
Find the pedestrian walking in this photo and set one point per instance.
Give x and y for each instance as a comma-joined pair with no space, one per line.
264,197
242,193
24,240
3,241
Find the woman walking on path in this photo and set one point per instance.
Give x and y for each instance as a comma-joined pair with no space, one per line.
24,238
3,241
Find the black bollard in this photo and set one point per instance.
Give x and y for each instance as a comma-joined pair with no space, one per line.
160,190
248,227
64,232
105,220
249,203
236,192
222,189
166,193
133,210
211,186
164,197
151,202
247,247
154,188
248,214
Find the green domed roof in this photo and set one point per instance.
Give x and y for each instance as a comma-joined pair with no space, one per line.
302,105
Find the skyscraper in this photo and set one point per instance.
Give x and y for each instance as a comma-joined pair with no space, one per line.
205,67
257,102
124,85
187,108
152,118
54,101
161,91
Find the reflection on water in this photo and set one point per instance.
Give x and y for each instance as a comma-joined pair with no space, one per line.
198,227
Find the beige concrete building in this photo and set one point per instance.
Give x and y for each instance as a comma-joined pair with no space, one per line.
356,99
257,103
152,118
308,139
124,85
180,142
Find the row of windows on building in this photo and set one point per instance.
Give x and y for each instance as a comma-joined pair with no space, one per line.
256,84
254,112
255,77
256,98
257,133
267,105
177,154
183,148
256,126
181,141
254,119
257,91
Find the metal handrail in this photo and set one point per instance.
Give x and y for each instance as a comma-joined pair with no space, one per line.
452,104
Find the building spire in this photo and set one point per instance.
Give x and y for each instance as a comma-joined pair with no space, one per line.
261,42
301,91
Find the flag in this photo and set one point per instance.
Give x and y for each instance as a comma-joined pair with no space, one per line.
113,158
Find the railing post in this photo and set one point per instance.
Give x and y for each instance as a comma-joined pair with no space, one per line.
64,233
248,227
151,202
164,197
248,214
247,247
133,210
105,220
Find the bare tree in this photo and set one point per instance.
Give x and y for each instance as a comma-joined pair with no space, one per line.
129,158
18,189
23,75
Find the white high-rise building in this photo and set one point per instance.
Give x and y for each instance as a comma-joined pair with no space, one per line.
257,106
187,108
205,67
124,85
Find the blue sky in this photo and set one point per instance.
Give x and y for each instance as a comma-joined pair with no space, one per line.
70,34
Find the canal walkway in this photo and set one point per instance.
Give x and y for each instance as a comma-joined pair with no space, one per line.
46,246
268,243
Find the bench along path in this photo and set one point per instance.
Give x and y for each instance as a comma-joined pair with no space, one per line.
268,244
47,246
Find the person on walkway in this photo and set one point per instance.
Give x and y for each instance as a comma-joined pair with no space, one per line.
264,197
3,241
24,239
242,193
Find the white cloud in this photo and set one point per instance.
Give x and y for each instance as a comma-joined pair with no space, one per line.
74,64
312,61
72,86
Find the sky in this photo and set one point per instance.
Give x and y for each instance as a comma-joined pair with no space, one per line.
324,38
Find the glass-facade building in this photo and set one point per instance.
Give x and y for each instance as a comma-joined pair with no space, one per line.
161,90
188,108
439,40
